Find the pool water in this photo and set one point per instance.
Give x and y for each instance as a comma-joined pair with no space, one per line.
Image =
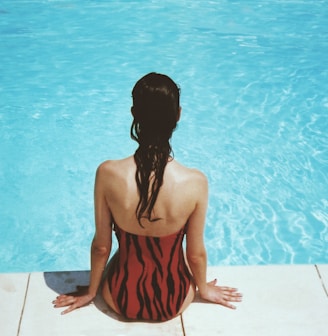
254,82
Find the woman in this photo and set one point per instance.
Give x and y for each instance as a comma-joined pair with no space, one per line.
151,202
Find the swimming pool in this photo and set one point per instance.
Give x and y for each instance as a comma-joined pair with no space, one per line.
254,86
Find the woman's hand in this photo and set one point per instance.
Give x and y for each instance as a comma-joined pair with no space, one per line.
73,300
221,295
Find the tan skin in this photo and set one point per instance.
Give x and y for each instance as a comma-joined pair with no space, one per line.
182,199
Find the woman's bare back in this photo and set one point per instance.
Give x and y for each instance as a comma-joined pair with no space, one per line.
176,201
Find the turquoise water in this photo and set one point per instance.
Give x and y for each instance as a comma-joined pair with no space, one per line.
254,82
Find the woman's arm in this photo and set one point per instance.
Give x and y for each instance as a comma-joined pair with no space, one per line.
195,248
102,241
100,247
196,252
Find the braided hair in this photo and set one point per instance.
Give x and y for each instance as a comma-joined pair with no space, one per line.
156,108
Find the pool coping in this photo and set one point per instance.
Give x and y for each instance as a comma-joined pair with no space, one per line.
278,300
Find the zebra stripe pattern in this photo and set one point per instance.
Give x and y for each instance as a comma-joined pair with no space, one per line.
148,277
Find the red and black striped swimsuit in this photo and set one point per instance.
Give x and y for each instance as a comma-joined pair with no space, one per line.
148,276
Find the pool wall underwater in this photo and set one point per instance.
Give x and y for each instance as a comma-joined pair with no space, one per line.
254,83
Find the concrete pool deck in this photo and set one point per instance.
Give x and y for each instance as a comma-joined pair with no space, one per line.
278,300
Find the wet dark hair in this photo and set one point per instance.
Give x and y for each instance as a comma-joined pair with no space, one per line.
156,105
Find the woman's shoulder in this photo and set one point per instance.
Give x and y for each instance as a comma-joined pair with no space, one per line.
115,167
190,174
188,170
112,164
189,185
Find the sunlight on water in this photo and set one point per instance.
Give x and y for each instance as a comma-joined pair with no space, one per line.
254,118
